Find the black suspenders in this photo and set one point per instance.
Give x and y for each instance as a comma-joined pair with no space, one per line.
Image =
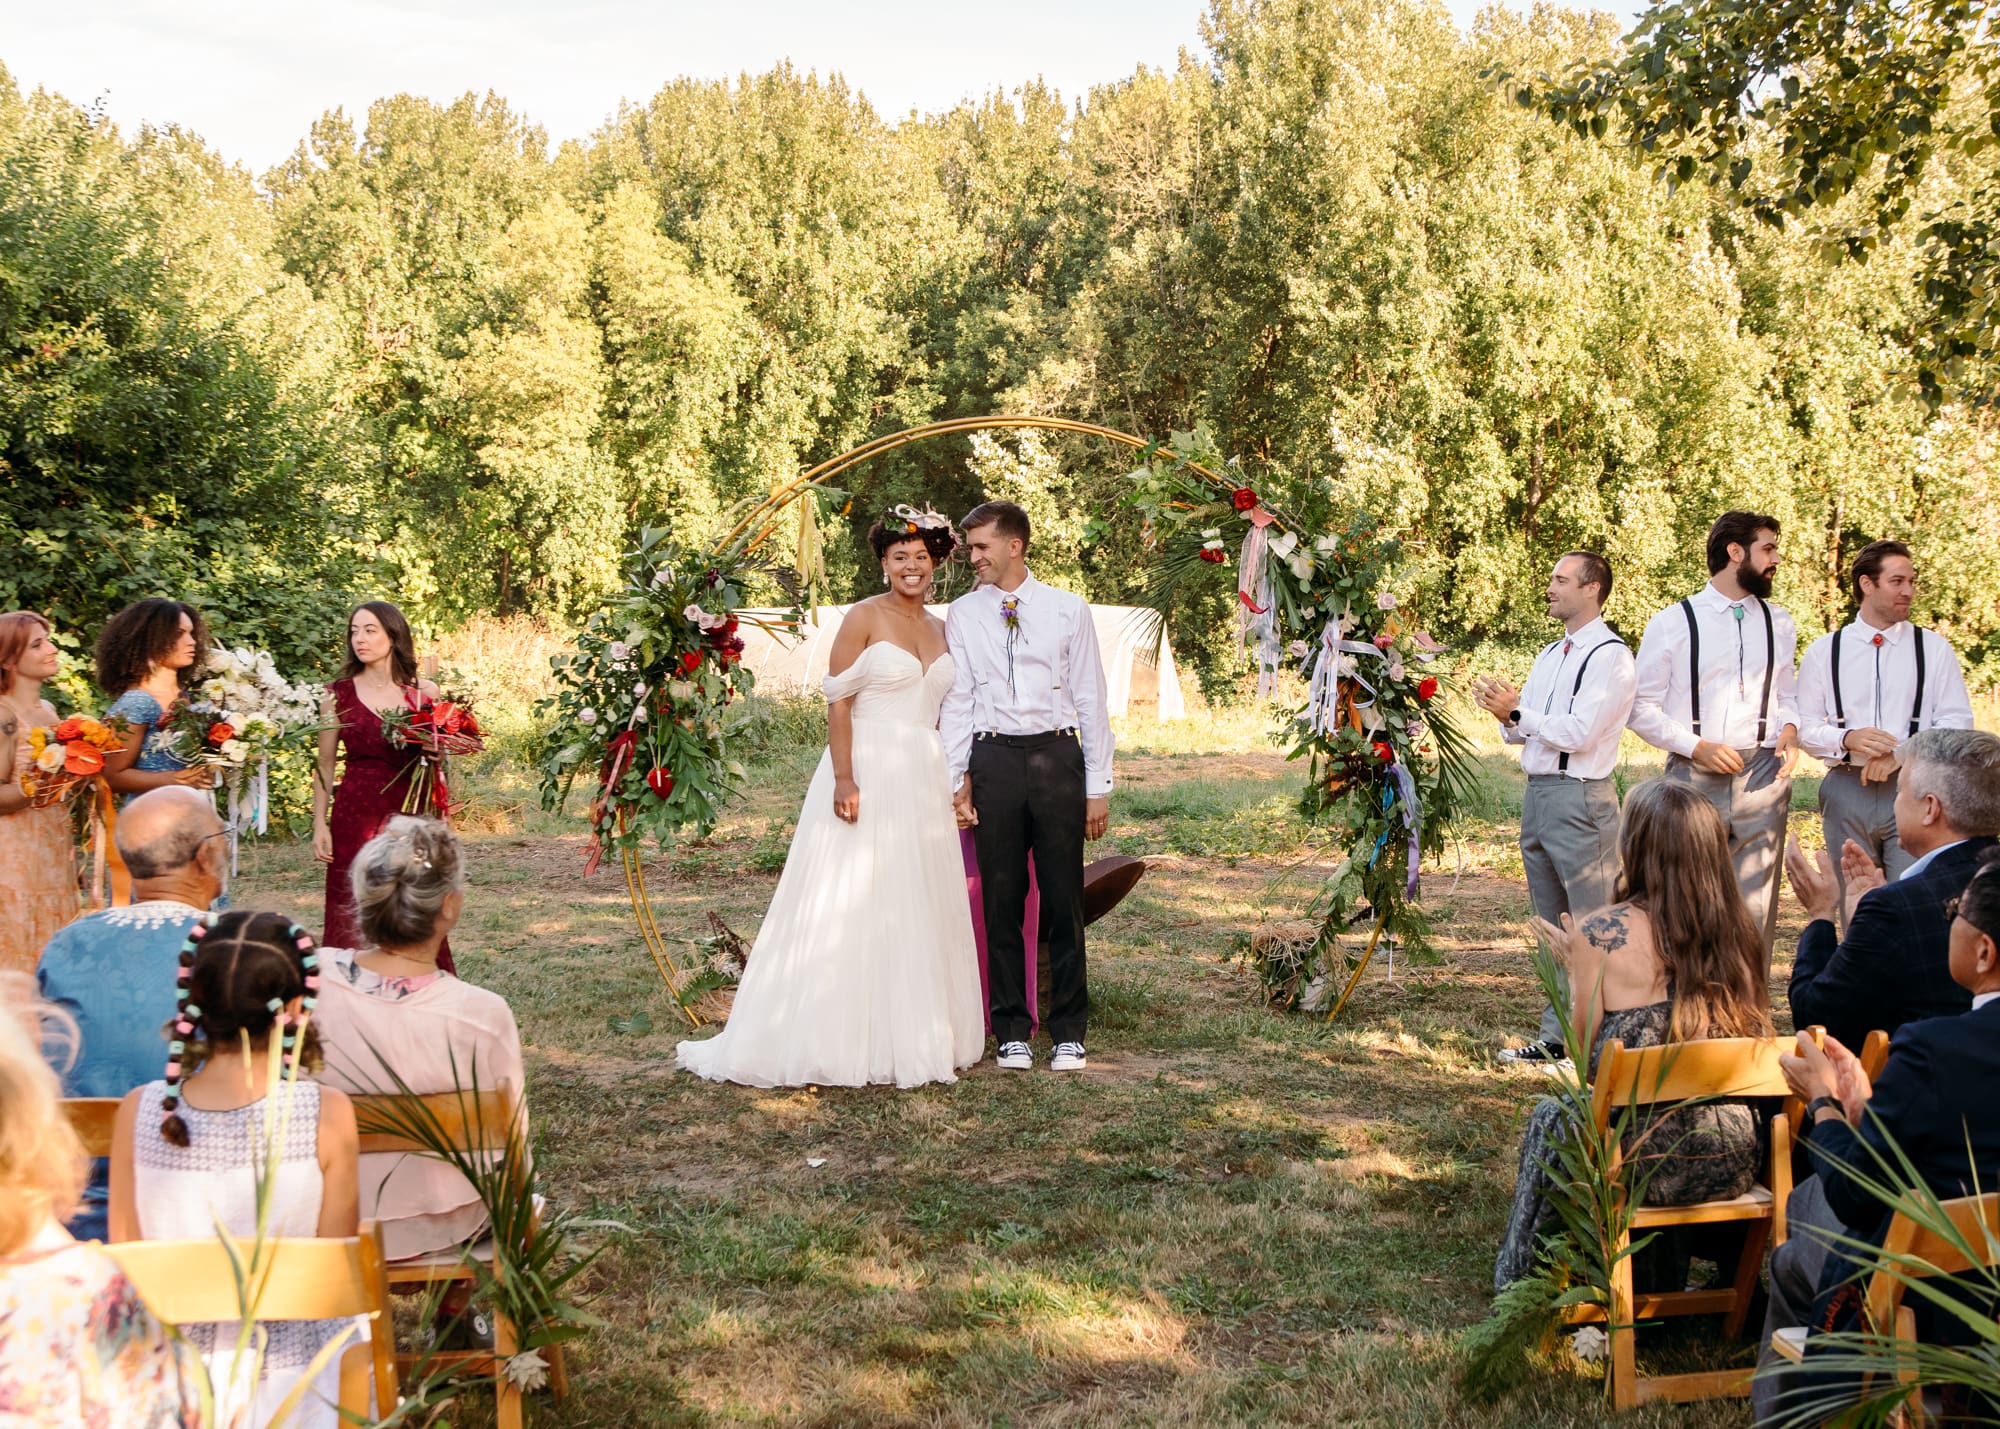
1840,708
1917,707
1694,665
1562,764
1694,668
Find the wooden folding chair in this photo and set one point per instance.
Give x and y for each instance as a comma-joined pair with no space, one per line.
1679,1072
185,1282
486,1122
91,1119
1977,1222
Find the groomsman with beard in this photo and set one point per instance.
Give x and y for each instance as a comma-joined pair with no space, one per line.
1718,692
1863,691
1567,720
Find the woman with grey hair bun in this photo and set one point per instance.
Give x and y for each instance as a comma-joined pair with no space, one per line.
389,1003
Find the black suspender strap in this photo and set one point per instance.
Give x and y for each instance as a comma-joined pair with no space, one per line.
1917,706
1833,657
1770,668
1562,764
1694,666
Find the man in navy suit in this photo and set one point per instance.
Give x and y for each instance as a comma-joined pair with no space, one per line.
1935,1103
1892,967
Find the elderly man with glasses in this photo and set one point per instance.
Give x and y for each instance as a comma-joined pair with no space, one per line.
1932,1109
1891,967
113,970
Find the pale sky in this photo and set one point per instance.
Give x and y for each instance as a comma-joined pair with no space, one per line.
250,76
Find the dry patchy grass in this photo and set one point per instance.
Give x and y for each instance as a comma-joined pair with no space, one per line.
1236,1216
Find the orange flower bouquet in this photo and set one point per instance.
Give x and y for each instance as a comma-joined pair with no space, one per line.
63,757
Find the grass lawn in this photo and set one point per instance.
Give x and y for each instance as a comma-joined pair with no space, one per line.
1236,1216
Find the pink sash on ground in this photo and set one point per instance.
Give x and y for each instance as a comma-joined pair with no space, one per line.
1030,926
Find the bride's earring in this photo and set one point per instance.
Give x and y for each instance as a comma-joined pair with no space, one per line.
885,578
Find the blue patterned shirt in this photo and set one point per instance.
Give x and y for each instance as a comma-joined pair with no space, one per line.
113,971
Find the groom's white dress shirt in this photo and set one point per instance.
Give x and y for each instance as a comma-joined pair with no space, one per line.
1731,675
1058,679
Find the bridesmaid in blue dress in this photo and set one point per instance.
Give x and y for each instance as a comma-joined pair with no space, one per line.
147,656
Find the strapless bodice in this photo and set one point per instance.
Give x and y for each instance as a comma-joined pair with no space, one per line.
889,683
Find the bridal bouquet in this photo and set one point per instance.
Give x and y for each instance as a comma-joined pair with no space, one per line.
63,757
243,712
435,728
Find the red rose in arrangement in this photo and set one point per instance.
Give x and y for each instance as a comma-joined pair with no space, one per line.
1384,753
1243,499
221,732
1209,553
660,781
1427,688
71,728
690,662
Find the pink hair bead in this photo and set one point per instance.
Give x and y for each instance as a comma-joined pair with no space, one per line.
173,1070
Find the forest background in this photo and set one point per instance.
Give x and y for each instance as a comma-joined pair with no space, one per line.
430,358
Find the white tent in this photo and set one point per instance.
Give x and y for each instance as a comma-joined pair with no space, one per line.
1140,679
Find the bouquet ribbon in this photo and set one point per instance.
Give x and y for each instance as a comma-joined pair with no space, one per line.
104,848
617,758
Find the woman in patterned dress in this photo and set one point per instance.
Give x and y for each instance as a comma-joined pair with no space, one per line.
147,656
1675,959
37,856
76,1344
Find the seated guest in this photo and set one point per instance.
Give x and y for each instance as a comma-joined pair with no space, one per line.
389,1007
1892,967
188,1151
112,971
77,1346
1675,959
1934,1101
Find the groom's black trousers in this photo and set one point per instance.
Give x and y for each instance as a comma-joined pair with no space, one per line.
1028,790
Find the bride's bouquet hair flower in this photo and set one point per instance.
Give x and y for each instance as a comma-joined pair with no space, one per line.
907,523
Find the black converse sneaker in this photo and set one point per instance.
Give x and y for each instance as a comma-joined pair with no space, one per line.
1535,1054
1016,1056
1068,1058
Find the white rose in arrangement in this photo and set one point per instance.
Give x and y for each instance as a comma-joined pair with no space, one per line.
50,759
639,690
620,652
586,716
234,750
1298,649
696,614
1385,601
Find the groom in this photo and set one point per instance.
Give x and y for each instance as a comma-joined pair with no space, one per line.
1028,743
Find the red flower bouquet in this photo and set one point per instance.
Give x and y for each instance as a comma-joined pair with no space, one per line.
436,729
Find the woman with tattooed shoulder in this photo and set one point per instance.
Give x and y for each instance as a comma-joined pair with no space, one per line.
1675,959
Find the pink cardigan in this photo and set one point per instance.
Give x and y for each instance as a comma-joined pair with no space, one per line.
423,1205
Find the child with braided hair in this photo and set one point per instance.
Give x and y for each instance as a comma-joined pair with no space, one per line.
188,1150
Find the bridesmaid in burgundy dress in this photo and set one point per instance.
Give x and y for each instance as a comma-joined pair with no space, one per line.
380,676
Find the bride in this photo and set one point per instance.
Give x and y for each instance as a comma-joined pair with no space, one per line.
865,969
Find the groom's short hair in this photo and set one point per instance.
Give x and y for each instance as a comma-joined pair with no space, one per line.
1010,520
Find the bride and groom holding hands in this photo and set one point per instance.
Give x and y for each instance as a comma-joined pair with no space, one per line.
866,969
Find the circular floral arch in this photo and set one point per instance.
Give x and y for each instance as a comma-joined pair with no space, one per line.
643,699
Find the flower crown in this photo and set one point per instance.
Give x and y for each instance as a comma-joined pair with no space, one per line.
914,521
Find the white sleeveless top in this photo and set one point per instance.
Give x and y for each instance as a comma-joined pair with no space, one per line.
184,1192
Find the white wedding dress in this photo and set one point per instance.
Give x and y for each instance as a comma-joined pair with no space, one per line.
864,970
